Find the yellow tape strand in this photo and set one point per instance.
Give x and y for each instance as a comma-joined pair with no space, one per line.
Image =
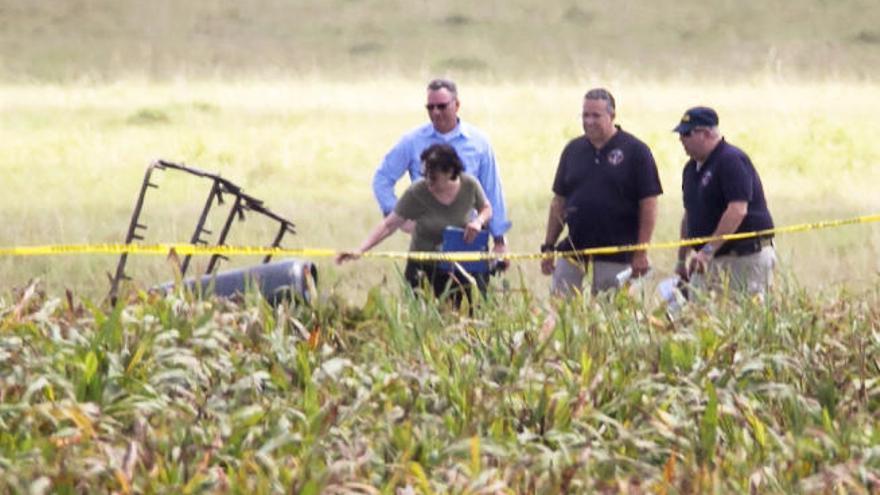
190,249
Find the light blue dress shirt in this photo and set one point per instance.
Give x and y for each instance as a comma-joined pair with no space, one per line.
472,147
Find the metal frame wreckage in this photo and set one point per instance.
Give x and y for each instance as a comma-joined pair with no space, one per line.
279,280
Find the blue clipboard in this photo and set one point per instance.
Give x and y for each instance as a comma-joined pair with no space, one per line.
453,241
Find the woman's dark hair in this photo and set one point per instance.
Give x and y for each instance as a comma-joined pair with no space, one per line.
441,158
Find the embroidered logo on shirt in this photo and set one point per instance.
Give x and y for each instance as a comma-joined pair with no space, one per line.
615,156
706,178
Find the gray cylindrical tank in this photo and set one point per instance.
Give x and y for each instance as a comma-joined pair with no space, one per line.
277,281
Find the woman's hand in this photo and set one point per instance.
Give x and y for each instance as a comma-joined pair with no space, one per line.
471,230
385,228
347,256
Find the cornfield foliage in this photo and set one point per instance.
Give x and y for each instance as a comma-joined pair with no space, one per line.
178,394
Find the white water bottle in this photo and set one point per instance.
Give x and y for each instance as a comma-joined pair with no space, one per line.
623,276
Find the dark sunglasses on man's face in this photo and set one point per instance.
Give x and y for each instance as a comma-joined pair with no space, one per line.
438,106
690,132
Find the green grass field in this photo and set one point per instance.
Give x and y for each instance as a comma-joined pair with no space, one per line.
368,390
171,394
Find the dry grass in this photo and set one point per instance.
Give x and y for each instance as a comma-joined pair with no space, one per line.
298,102
74,156
494,41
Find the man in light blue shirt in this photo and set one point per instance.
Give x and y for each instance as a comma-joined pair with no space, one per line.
469,142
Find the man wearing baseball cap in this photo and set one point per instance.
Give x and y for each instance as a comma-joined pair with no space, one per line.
722,195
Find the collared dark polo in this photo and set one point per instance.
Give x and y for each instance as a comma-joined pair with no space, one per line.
727,175
602,189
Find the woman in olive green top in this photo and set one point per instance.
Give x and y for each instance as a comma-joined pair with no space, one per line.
446,197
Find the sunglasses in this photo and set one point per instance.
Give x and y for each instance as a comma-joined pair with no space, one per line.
689,133
438,106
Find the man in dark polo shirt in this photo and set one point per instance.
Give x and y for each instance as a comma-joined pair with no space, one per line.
605,190
722,195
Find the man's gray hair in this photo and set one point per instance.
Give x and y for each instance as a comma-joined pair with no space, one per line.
447,84
713,131
602,94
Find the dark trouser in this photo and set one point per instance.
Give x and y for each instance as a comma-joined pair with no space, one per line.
418,273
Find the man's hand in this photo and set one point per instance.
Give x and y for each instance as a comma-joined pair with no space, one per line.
699,262
640,264
500,248
548,265
681,270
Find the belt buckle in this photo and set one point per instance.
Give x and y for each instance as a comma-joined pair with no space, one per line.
747,249
759,245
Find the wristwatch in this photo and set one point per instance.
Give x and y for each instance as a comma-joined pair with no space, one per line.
707,249
545,248
499,239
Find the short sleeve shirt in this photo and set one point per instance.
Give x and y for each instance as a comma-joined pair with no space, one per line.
602,190
727,175
432,216
477,156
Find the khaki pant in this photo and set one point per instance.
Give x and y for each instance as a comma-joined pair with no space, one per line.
752,273
568,276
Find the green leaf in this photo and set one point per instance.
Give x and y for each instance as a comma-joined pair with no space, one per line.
90,366
310,488
708,427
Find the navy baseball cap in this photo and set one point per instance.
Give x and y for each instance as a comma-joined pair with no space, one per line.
697,117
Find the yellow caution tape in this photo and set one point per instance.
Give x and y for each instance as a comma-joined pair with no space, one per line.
191,249
160,249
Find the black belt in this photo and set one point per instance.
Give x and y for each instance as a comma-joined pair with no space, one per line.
744,247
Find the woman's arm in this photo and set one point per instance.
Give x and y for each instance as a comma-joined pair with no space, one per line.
385,228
